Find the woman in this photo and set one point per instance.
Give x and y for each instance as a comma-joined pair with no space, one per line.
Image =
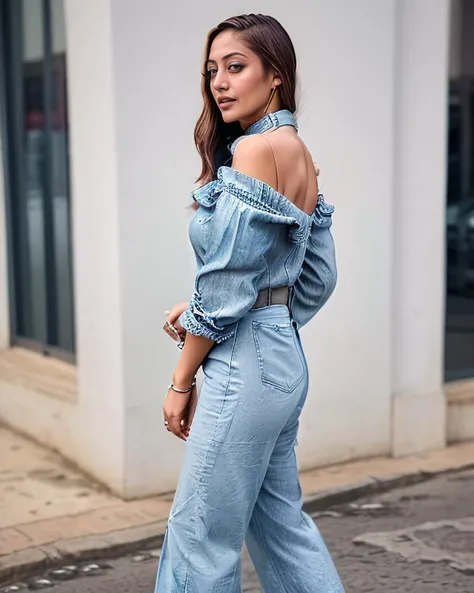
265,260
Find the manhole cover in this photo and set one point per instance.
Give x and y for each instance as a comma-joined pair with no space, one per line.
448,538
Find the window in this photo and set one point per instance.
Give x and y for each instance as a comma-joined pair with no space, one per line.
36,146
459,361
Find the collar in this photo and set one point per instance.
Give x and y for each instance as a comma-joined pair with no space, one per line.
269,121
283,117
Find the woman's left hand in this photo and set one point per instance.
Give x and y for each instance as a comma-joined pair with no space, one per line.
175,409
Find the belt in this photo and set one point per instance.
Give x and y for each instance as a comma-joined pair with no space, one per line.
272,296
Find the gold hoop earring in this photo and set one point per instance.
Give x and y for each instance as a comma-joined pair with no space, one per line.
272,94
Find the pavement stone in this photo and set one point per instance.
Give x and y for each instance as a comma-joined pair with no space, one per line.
94,522
419,542
13,540
69,529
37,484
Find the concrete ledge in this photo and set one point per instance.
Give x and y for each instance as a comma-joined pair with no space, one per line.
460,400
42,374
418,423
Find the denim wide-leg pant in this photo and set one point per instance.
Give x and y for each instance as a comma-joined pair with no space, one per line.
240,476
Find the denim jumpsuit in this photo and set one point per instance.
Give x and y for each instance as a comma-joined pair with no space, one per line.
240,477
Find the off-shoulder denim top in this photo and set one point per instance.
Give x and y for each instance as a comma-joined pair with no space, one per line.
246,237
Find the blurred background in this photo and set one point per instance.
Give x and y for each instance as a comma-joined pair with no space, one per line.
98,101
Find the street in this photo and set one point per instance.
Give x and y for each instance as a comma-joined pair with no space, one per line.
433,558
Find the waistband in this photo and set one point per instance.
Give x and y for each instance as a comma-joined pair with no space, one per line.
271,313
272,296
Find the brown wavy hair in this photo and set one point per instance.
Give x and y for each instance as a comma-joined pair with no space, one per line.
265,36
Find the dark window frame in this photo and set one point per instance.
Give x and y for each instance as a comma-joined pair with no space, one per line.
12,70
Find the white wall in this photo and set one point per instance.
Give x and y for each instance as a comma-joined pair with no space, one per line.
134,91
419,203
347,121
94,189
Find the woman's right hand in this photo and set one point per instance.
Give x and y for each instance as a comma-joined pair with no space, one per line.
172,318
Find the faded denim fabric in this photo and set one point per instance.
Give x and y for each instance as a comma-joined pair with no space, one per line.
240,477
246,237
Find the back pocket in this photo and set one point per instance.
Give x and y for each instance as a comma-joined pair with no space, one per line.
279,357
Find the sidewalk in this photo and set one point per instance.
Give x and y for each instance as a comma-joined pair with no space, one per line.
51,514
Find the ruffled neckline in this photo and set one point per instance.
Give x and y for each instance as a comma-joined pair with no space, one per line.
262,195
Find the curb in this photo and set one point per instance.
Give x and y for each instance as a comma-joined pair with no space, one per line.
30,562
33,561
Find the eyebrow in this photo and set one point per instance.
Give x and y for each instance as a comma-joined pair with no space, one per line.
226,57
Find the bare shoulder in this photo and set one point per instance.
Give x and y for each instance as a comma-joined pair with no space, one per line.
254,157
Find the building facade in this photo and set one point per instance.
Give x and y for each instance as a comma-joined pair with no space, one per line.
98,107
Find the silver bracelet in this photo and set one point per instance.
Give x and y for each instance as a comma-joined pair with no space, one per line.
171,386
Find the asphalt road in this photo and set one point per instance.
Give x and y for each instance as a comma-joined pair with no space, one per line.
395,550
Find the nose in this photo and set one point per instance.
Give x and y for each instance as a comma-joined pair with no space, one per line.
220,81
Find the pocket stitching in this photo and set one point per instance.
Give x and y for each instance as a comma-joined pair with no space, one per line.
263,375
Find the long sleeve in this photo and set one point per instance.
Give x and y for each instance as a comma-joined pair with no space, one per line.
239,236
318,276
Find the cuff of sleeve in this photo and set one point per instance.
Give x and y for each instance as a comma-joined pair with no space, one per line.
193,322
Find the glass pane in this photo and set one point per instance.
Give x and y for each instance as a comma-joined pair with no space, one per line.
460,234
60,180
34,300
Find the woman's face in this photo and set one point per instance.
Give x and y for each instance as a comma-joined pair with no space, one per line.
239,84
